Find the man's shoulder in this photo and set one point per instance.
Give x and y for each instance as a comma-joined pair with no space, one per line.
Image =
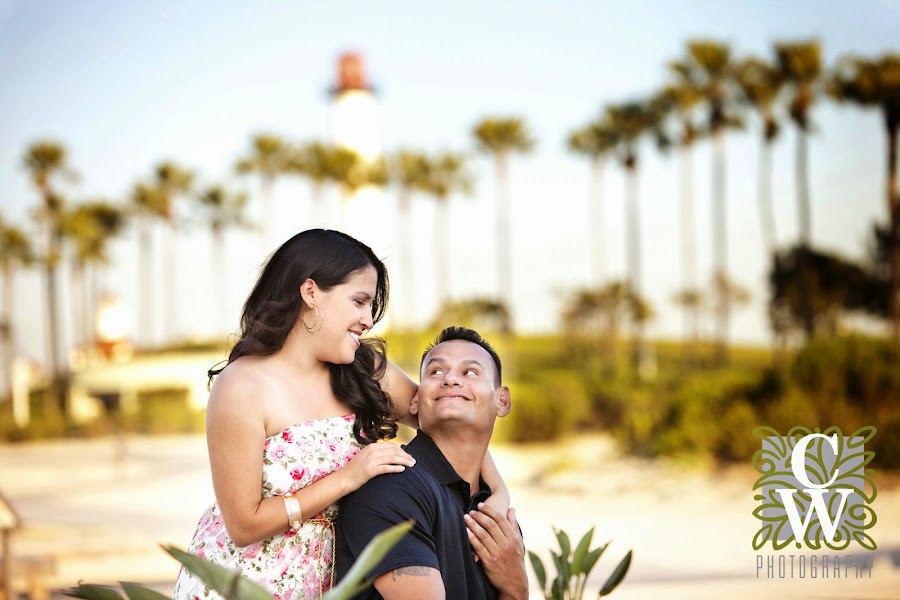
415,479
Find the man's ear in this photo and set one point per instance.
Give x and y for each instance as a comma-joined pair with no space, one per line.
308,292
504,402
414,405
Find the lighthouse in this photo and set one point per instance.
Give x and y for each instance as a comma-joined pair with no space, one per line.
354,109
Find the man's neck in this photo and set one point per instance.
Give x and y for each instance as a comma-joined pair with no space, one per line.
464,452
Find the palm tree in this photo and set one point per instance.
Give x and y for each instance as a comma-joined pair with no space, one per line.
145,204
800,66
222,210
325,163
90,227
409,170
631,121
877,83
683,97
45,161
268,157
500,137
761,84
172,181
596,141
709,68
446,175
15,251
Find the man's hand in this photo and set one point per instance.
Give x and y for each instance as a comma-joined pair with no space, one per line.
498,542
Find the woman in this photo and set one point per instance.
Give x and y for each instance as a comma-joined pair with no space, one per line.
293,414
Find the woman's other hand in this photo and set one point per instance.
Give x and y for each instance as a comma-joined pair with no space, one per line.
375,459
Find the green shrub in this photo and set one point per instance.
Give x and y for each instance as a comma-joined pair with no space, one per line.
545,408
167,411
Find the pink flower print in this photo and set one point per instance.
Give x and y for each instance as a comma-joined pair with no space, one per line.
287,436
297,474
278,453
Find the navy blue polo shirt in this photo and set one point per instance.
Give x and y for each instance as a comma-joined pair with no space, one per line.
435,497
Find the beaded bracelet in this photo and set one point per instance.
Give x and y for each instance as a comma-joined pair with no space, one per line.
295,516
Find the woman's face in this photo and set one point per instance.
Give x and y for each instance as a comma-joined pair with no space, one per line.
345,313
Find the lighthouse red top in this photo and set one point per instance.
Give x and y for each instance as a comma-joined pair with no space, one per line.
351,73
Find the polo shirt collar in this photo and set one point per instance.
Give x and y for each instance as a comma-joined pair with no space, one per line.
424,447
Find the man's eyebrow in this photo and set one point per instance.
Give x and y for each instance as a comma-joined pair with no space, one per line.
438,359
472,361
434,359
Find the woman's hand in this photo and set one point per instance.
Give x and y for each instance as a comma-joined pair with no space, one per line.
499,501
372,460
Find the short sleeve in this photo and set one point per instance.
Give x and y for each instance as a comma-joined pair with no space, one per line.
380,504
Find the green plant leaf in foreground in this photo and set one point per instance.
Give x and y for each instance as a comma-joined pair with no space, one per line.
539,570
139,592
90,591
231,585
617,575
355,580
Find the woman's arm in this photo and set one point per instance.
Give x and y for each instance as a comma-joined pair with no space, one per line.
236,437
401,390
500,498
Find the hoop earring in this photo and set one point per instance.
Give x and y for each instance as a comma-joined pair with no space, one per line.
317,324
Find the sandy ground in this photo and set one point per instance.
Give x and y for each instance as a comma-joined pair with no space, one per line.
102,518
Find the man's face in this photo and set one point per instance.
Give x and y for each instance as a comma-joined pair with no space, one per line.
458,387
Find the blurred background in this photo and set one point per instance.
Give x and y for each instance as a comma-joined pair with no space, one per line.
678,220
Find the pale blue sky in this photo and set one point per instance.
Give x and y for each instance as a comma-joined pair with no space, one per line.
126,84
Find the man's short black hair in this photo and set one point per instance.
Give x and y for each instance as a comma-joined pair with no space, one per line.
467,335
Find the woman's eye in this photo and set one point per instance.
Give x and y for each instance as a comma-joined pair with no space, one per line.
358,302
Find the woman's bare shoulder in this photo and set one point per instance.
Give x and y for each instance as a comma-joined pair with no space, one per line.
243,380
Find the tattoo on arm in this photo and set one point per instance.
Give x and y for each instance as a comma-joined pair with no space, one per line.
414,571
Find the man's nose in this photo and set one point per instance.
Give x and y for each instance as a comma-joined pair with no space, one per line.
451,377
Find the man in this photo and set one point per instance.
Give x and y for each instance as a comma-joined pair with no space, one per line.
460,396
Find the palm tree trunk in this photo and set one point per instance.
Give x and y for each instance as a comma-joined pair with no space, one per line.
93,292
78,303
441,236
633,252
892,122
720,248
764,197
688,245
805,221
595,223
8,331
146,333
268,217
318,207
56,400
172,329
504,257
403,316
220,276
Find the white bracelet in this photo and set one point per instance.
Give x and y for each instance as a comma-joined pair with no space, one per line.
295,516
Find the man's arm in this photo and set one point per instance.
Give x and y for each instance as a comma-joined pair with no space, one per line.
411,583
497,540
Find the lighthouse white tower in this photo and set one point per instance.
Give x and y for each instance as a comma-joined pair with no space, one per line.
354,109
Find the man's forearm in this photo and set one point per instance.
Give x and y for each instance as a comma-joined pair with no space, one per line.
411,583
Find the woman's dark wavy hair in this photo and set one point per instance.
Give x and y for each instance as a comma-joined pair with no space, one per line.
273,307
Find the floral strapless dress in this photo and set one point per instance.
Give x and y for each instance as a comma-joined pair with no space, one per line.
294,565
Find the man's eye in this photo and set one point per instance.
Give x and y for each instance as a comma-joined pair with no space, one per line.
471,372
437,372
